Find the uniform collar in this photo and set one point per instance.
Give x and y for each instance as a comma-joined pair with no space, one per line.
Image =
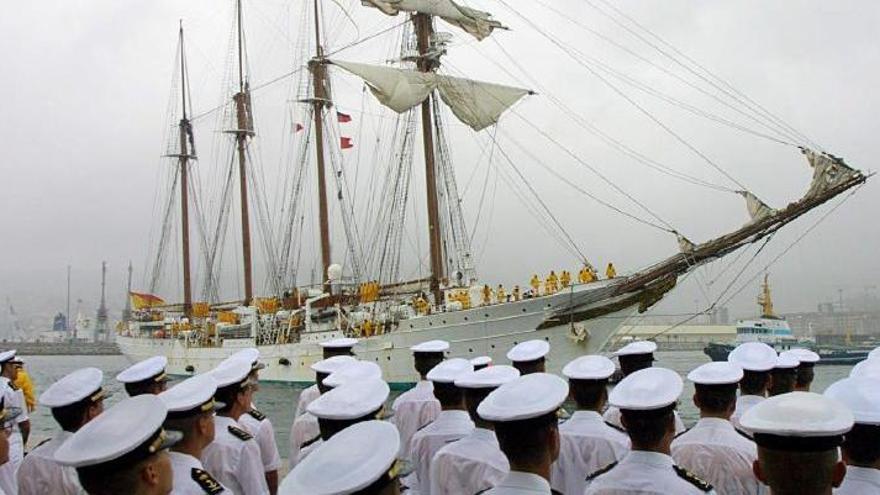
863,474
223,421
591,416
424,385
525,481
484,435
453,416
750,398
715,423
651,458
184,460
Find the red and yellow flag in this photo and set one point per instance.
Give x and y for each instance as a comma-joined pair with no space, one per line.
144,301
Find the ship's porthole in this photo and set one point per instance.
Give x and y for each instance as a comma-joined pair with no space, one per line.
284,362
524,310
190,368
486,315
547,339
493,346
430,323
515,342
444,322
410,325
388,358
470,350
465,318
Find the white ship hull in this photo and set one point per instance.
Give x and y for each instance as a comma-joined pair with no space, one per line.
487,330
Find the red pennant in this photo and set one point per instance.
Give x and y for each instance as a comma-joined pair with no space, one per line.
345,143
343,117
298,127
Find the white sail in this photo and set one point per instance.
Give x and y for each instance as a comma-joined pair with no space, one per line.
828,171
475,103
477,23
757,208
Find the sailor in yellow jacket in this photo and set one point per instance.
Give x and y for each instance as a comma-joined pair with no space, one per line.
500,294
536,285
23,382
551,284
610,272
565,279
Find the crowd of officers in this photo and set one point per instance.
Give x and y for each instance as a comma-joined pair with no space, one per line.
467,427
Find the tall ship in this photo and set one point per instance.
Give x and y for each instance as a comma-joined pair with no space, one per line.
369,293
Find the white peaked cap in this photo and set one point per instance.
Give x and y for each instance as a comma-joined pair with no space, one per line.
716,373
874,354
447,371
6,356
194,392
351,400
529,396
786,360
231,371
339,343
481,361
529,350
74,387
359,370
491,377
798,414
647,389
805,355
860,395
153,367
332,364
869,368
352,460
637,347
431,346
753,356
249,354
118,431
593,367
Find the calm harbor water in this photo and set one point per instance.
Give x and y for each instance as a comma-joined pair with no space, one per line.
278,400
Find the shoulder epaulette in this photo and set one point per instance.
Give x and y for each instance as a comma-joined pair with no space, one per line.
601,471
206,481
692,479
257,415
311,441
44,442
483,491
744,434
239,433
612,425
425,426
682,433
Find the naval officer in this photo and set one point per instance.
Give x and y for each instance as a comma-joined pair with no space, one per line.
417,407
474,463
7,420
145,377
305,426
336,347
18,434
453,422
74,400
529,356
633,357
712,449
258,424
234,457
586,442
647,399
783,376
861,445
523,412
123,450
805,370
359,460
798,436
191,408
481,362
756,359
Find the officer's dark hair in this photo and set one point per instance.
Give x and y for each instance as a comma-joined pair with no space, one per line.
529,367
329,352
805,374
425,361
754,382
319,381
227,395
104,479
72,416
715,399
631,363
139,388
472,399
448,394
588,394
862,444
647,428
783,381
525,442
330,427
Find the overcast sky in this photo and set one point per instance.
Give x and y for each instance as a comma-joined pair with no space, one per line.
86,86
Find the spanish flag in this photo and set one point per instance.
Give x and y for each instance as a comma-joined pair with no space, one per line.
144,301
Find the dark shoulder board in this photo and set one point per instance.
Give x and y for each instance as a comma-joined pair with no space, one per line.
692,479
612,425
44,442
206,481
257,415
682,433
744,434
239,433
601,471
309,442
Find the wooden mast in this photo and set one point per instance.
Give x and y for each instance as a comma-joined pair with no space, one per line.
424,30
244,130
320,100
183,161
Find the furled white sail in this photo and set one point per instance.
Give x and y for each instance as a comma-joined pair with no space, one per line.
477,23
477,104
757,208
828,171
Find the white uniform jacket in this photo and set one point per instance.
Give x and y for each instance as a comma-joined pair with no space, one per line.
743,404
306,398
448,427
305,430
233,458
258,425
39,474
13,398
520,483
859,481
470,465
645,473
190,477
714,451
612,416
586,444
413,410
